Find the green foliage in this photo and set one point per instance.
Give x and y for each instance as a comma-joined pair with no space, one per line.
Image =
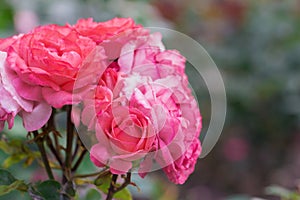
103,183
8,183
69,189
283,193
6,178
18,151
5,189
123,195
93,194
6,15
47,190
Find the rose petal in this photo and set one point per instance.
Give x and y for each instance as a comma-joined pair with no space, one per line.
37,118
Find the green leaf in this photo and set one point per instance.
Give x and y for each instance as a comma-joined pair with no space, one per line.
49,190
123,195
6,178
69,189
103,183
9,183
93,194
34,194
17,151
13,159
5,189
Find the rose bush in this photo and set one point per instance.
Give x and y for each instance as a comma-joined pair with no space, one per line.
128,97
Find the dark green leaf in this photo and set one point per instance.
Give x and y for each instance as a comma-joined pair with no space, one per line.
65,197
69,189
9,183
34,194
6,178
49,190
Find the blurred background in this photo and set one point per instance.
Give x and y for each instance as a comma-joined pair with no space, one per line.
256,46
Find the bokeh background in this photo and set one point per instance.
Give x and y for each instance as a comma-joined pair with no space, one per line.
256,46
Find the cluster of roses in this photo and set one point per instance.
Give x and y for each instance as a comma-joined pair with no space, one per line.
132,92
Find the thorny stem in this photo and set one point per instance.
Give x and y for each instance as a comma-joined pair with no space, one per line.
126,182
70,136
51,128
66,164
40,143
113,189
78,144
56,142
98,174
53,150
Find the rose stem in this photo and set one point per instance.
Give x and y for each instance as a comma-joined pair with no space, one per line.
126,182
70,135
102,173
52,127
40,143
53,150
111,190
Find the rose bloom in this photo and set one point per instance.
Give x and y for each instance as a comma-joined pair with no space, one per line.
179,170
177,123
34,114
47,61
123,128
142,108
100,31
5,43
116,35
128,138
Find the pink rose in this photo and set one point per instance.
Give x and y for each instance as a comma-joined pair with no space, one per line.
142,109
5,43
180,169
47,61
97,102
175,125
173,113
152,60
34,114
97,106
99,31
128,138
